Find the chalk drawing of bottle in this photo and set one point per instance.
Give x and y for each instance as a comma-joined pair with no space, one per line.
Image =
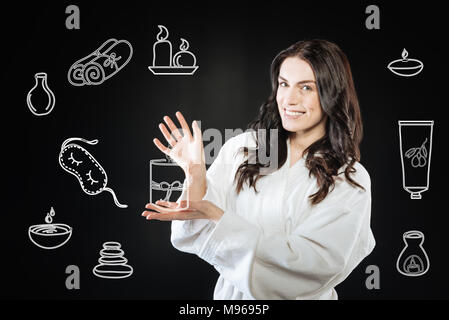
40,99
164,63
161,171
415,139
413,260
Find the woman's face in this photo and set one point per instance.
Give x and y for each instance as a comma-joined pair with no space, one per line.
298,100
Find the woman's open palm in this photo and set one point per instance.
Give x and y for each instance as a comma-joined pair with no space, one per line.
184,148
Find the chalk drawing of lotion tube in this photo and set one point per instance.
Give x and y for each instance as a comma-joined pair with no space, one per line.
415,140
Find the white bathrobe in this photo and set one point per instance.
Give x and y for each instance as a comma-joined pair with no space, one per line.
274,244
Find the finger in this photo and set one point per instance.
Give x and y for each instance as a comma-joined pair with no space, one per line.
173,128
184,125
166,204
161,147
167,135
197,131
145,213
161,209
167,216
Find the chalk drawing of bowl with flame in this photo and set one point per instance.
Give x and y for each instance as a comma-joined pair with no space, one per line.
406,67
50,235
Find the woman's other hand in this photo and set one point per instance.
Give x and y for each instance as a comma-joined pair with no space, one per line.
184,148
185,210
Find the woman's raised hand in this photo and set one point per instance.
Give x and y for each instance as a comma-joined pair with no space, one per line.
184,148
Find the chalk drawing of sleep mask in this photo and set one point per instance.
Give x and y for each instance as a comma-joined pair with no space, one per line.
90,174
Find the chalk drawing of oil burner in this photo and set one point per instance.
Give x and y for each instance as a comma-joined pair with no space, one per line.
50,235
413,260
90,174
40,99
101,64
161,171
406,67
165,63
415,139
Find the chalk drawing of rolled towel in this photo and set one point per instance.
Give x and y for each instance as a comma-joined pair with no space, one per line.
101,64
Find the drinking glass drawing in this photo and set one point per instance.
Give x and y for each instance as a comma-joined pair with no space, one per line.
167,181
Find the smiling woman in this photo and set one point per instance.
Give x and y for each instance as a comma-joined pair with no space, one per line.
294,231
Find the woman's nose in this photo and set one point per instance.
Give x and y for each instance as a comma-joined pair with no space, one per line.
291,98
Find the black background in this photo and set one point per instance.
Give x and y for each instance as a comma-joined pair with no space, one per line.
234,44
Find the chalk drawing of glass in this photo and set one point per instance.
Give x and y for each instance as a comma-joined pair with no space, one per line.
413,260
415,139
166,181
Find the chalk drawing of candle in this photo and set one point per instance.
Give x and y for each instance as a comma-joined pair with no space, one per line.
164,63
162,49
413,260
161,171
405,67
415,141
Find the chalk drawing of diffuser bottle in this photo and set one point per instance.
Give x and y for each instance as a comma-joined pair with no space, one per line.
413,260
40,99
166,181
415,139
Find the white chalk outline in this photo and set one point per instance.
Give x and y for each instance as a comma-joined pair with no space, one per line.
413,234
157,186
65,145
416,195
34,230
82,65
52,100
174,68
405,58
113,245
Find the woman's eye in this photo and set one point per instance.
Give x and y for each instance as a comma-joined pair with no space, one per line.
306,88
282,84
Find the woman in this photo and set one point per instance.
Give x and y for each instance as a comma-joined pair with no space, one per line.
294,232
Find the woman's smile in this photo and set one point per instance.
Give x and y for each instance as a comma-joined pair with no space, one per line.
293,114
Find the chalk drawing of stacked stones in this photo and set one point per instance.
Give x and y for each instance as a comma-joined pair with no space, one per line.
112,263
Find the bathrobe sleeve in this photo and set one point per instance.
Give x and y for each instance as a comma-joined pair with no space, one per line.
317,255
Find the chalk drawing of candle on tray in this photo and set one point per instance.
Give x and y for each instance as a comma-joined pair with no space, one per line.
161,171
40,99
413,260
90,174
415,141
165,63
405,67
102,64
50,235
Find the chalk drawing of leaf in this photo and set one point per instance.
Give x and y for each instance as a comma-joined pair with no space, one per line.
424,151
411,152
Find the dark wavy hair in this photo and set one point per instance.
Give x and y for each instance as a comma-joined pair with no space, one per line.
340,144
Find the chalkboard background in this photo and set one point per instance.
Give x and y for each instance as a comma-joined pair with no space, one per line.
234,45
